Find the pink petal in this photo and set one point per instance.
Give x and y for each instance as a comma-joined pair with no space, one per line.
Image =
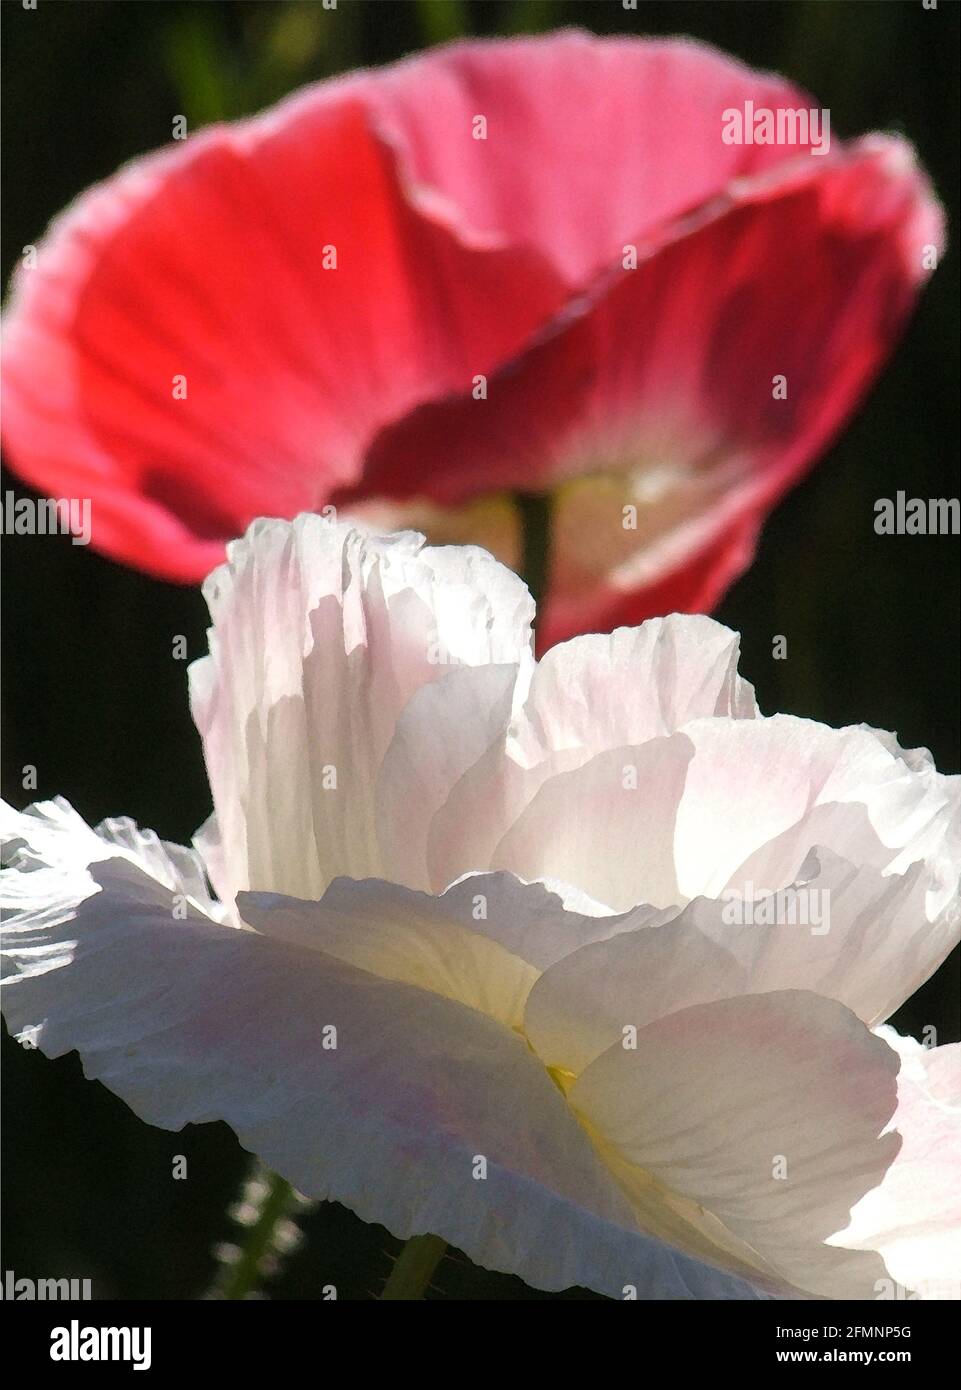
661,384
205,262
460,257
588,141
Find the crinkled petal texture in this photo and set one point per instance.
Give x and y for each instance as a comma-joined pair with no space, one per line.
321,640
594,926
298,309
417,1110
363,1047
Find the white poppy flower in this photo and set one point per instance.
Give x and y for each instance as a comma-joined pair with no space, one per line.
491,954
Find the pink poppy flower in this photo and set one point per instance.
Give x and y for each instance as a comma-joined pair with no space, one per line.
538,265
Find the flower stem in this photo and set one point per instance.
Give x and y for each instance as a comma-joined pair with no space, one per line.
414,1266
534,510
244,1274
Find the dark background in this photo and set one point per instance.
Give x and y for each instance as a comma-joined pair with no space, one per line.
93,699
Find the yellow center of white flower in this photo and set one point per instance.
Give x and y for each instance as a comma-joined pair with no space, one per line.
562,1078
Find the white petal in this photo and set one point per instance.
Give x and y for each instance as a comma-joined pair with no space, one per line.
403,935
541,922
914,1216
857,935
445,729
606,826
320,638
588,696
54,845
483,942
191,1020
850,934
634,684
750,781
715,1097
583,1003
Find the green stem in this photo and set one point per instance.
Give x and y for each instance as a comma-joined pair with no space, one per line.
243,1275
414,1266
534,510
